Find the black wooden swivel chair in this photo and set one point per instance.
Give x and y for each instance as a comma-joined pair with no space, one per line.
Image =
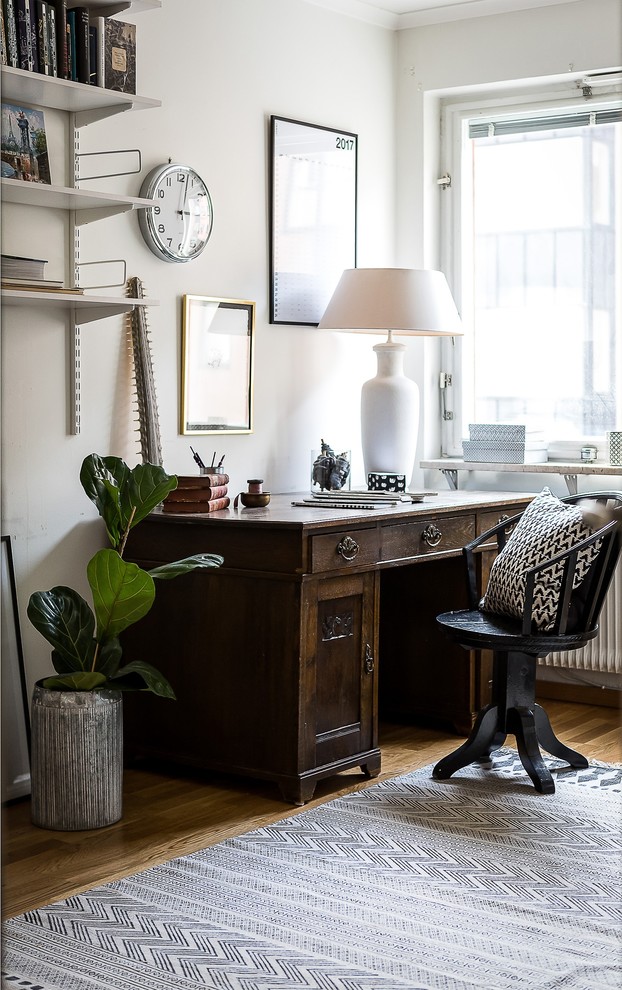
516,644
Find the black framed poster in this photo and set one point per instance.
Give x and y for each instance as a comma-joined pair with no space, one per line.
312,217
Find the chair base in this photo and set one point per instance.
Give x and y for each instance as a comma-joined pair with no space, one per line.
513,711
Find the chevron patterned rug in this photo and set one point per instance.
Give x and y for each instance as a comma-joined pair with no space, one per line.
475,883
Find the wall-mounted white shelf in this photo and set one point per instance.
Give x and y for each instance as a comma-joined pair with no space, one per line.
88,103
85,105
570,470
108,8
88,206
85,308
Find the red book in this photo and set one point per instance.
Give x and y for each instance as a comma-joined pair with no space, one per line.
180,494
202,480
202,505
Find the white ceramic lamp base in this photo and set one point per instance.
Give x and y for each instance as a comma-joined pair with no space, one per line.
390,415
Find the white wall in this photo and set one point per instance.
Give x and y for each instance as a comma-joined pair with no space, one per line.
220,69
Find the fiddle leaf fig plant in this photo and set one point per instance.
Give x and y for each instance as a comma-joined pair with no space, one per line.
86,650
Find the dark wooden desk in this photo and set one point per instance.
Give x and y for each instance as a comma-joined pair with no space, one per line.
319,618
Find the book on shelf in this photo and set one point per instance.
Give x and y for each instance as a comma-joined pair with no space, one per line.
42,37
204,505
34,37
93,55
3,55
15,267
116,54
81,37
24,144
71,44
50,23
10,29
24,35
60,10
40,285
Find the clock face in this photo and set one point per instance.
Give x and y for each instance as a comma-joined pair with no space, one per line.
179,226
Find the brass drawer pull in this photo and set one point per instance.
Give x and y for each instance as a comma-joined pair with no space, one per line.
508,529
348,548
432,535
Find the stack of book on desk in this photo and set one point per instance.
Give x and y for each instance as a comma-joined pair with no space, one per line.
198,493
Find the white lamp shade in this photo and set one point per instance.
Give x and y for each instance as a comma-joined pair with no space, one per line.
402,300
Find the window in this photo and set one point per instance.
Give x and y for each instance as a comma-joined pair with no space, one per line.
536,226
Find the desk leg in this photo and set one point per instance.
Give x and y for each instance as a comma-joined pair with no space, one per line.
299,790
371,768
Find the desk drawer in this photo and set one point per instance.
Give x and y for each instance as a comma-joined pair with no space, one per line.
350,548
427,536
486,520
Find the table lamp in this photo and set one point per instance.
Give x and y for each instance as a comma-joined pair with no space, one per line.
399,301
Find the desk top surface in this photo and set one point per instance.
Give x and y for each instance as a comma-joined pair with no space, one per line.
281,513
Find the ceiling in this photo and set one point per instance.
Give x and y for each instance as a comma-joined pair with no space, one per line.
399,14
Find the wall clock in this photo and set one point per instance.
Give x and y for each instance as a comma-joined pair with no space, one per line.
179,226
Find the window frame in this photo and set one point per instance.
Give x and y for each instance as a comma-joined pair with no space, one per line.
456,110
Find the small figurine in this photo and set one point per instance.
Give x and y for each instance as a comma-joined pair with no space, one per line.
330,470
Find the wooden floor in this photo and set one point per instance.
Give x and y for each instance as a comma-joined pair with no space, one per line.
167,815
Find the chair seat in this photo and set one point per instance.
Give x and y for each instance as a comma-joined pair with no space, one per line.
475,629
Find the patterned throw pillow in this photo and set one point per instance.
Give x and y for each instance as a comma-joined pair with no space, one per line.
547,527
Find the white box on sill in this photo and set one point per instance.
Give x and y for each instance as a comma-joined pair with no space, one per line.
497,432
504,452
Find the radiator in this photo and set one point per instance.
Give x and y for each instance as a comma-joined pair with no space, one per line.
604,653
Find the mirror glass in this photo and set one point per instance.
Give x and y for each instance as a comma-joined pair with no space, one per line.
217,365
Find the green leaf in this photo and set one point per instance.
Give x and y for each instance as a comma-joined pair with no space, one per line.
122,592
103,479
84,680
147,486
63,617
109,657
123,497
177,567
154,681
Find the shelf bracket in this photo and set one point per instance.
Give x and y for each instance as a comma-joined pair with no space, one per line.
91,216
452,478
84,117
571,483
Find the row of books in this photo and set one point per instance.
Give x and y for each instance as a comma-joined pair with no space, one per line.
49,37
198,493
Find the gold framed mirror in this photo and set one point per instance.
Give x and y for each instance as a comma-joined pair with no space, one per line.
217,365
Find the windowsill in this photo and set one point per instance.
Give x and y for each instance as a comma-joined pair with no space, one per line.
569,469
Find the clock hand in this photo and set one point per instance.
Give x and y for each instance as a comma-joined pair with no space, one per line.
185,196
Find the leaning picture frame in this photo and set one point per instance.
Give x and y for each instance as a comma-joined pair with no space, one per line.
313,190
15,715
217,365
23,144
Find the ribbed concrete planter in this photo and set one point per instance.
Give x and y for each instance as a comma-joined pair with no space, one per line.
76,758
